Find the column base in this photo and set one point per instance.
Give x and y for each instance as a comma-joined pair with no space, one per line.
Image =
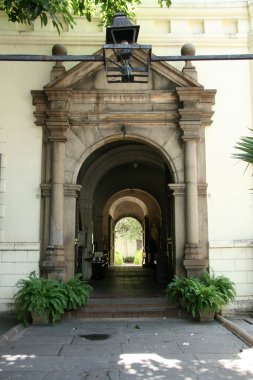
194,262
55,263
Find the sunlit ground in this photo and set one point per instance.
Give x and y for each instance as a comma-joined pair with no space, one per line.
150,366
155,367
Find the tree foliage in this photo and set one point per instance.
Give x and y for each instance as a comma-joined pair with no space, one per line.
62,12
129,228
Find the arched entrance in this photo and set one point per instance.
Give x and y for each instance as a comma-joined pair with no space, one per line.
126,178
108,147
128,242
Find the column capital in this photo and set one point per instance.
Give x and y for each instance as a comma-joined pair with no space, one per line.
57,123
190,95
191,129
72,190
59,97
190,113
45,189
197,104
178,189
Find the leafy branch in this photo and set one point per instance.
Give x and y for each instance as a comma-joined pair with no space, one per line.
62,12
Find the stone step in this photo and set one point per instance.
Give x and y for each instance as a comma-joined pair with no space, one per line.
155,302
127,308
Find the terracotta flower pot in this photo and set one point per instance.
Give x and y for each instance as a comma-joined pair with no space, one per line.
40,319
206,316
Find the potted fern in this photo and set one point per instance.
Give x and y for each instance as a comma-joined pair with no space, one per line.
203,296
40,300
204,302
180,289
77,292
223,285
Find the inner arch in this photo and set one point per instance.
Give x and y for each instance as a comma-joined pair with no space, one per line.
125,178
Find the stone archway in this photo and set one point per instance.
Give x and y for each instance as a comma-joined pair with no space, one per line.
139,205
125,178
82,116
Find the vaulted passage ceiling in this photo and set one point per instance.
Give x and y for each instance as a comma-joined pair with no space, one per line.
125,172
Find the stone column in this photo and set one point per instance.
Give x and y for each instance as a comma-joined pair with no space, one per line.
57,124
179,226
191,123
194,262
192,231
71,193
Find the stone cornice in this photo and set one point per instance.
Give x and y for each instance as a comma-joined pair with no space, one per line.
197,106
75,74
58,94
92,37
162,40
41,103
168,71
128,118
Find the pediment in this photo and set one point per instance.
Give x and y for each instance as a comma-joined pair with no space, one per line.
91,76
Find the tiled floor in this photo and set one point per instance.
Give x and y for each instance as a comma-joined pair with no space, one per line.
128,281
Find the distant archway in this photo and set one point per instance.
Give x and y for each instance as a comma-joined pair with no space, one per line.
128,242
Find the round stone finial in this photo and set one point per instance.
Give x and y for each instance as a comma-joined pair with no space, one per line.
59,49
188,49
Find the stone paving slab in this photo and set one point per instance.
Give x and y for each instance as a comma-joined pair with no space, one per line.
156,349
17,375
91,350
31,349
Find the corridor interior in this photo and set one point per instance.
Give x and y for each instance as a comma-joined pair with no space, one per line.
128,281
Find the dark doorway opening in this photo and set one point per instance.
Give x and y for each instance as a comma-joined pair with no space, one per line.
126,179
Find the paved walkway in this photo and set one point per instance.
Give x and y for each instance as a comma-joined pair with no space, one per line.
132,349
156,349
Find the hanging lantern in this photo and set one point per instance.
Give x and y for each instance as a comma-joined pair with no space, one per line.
121,42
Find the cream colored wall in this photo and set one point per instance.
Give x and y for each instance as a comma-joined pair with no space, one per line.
20,177
214,27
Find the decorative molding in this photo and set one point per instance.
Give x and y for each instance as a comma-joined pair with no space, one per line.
178,189
45,189
59,97
69,190
202,189
57,122
72,190
240,243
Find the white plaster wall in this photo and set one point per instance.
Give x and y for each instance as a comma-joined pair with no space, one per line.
17,260
215,27
22,149
125,247
234,259
20,144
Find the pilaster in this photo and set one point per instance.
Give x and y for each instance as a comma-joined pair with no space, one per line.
178,192
190,124
57,124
